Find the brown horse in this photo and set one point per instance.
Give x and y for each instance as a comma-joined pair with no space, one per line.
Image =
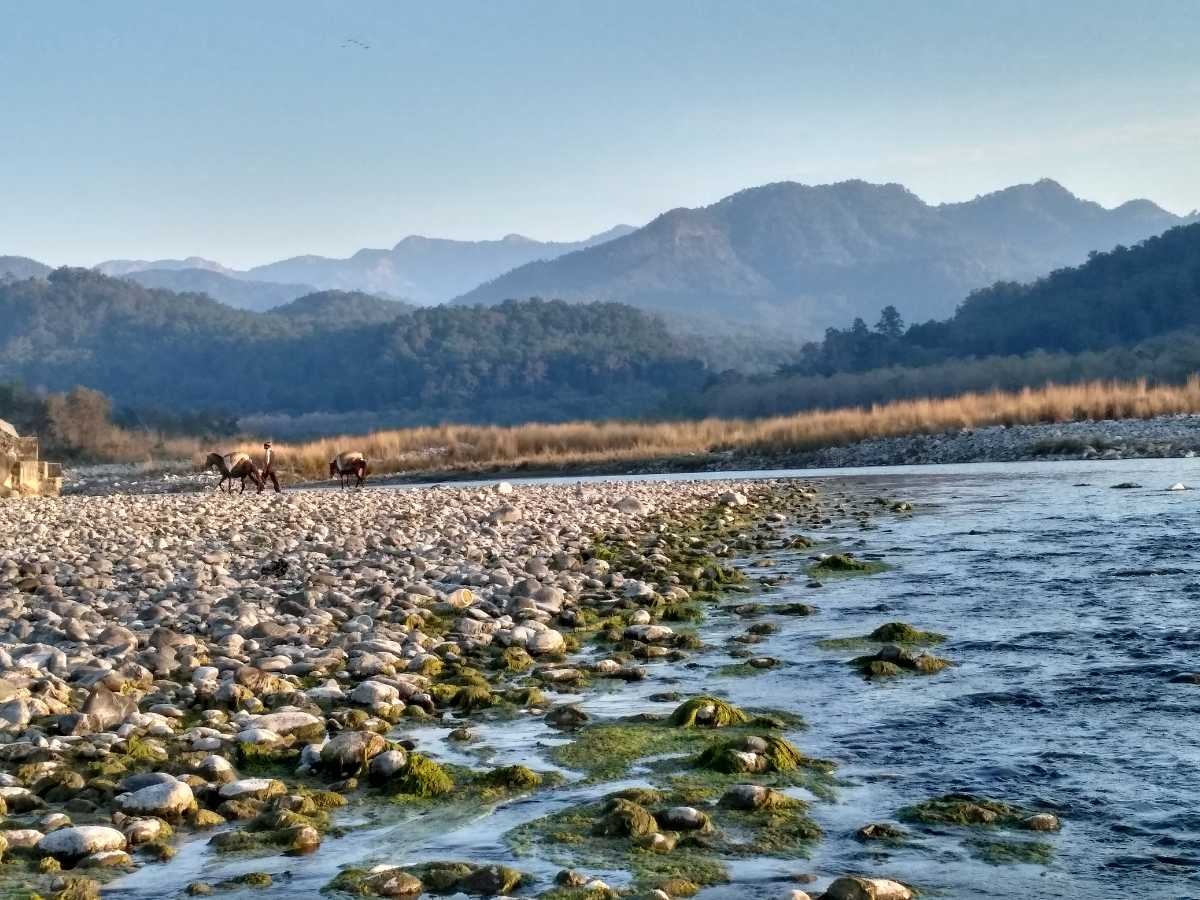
231,466
346,464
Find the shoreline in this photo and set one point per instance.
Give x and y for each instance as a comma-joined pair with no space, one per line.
1162,437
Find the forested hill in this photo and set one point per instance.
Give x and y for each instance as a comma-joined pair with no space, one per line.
334,351
1129,313
1121,297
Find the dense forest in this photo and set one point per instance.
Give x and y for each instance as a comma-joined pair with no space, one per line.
157,350
1131,312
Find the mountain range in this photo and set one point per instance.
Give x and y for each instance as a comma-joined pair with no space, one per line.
420,270
800,258
786,260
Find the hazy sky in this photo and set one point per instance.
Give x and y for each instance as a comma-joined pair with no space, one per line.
249,131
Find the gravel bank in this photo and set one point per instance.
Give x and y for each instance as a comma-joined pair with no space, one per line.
174,662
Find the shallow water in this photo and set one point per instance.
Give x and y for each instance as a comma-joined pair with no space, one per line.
1068,605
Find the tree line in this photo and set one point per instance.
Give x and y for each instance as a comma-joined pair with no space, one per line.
154,350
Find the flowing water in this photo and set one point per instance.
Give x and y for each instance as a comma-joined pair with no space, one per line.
1069,606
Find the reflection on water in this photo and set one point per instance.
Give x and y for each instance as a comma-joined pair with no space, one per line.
1068,605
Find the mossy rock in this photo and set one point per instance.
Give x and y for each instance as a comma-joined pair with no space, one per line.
249,879
678,887
903,633
710,712
964,810
76,889
474,697
514,659
772,753
423,778
508,780
899,633
1002,853
893,660
256,759
624,818
844,564
528,696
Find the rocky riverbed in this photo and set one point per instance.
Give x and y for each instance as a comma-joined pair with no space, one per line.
257,668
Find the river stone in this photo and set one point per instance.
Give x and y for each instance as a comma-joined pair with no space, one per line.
746,796
631,505
1041,822
393,883
167,801
143,831
505,515
387,765
490,881
21,838
348,752
548,641
80,840
292,723
252,789
855,888
568,716
681,818
374,693
105,710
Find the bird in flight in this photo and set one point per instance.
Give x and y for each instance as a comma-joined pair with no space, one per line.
355,42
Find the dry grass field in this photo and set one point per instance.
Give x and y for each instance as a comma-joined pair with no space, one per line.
467,448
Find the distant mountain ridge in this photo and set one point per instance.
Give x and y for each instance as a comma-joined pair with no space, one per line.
418,269
424,270
20,267
803,258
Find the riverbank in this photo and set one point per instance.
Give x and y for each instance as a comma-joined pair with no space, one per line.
284,674
1160,437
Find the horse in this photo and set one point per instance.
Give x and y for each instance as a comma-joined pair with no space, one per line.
346,464
231,466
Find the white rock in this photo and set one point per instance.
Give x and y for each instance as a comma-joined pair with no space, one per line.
168,800
374,693
548,641
251,787
81,840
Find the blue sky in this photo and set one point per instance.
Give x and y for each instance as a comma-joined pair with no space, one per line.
251,131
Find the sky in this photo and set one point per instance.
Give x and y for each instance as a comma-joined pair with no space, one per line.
248,132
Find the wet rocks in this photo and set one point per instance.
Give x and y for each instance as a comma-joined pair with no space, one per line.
169,800
349,753
857,888
78,841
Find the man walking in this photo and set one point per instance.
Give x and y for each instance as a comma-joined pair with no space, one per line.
268,470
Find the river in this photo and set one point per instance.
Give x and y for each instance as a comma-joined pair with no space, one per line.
1068,606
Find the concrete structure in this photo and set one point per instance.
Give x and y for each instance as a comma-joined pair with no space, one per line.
22,474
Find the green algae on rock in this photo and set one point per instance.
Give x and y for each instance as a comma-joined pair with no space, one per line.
606,750
423,778
844,564
892,633
710,712
892,660
970,810
1011,852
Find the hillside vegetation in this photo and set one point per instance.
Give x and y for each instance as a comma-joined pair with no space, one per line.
1126,313
335,351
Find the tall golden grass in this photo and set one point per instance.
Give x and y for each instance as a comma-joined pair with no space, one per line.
468,448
